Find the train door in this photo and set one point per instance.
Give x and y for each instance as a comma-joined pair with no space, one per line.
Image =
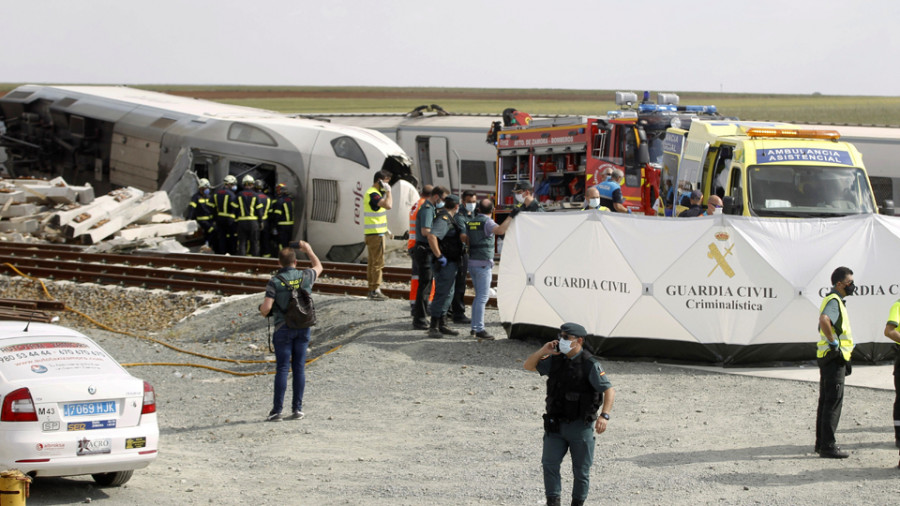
432,156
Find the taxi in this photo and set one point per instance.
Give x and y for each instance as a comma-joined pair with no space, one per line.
69,408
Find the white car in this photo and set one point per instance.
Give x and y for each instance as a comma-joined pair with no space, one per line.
68,408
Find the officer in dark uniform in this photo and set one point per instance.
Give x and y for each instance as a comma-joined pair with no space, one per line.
422,253
265,229
577,388
524,194
281,216
611,193
249,209
446,246
458,305
226,208
202,210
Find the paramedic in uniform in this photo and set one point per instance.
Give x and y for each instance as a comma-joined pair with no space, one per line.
411,245
833,356
377,201
577,388
891,332
611,193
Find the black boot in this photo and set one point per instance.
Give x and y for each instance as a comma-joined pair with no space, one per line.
577,502
553,501
444,329
434,329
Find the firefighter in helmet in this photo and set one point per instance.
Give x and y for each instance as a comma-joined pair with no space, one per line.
281,216
265,236
248,218
226,207
202,210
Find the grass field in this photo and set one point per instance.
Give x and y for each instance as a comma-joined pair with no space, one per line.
791,108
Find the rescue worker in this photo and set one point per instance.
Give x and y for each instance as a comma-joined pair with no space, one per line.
695,209
249,209
422,252
611,193
265,228
891,332
479,237
592,200
833,356
226,208
376,203
458,305
577,388
524,194
446,246
411,244
202,210
281,216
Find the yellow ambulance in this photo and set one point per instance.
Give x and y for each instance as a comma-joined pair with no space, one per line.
766,169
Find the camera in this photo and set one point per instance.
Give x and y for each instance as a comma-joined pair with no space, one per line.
294,244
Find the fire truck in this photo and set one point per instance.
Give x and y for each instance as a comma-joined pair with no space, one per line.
563,156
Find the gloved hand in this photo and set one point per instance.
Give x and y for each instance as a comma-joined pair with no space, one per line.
442,260
514,212
834,344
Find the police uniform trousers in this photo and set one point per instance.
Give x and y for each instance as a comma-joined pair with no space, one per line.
247,231
577,438
444,280
458,305
832,369
423,255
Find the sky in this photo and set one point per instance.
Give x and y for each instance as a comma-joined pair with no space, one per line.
762,46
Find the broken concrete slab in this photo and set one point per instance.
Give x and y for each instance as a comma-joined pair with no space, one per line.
150,204
159,230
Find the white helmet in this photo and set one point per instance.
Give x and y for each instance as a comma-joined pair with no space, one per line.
229,179
248,180
204,183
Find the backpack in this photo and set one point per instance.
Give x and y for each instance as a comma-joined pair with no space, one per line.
300,312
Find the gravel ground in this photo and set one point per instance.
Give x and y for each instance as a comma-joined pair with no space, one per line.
395,418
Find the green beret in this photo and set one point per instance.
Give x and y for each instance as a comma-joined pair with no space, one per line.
573,329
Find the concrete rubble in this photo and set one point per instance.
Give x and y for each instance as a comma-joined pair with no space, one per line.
40,210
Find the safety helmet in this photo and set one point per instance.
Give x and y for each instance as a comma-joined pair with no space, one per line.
260,185
229,179
248,180
204,183
280,188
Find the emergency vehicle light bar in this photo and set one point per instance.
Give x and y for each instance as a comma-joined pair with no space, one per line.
831,135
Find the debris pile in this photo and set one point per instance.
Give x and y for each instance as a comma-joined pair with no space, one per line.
38,210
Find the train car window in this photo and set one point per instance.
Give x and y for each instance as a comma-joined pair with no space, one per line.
250,134
474,172
347,147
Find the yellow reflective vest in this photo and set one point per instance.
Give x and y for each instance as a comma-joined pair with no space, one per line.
845,337
374,220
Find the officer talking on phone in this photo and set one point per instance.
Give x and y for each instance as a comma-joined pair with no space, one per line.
577,388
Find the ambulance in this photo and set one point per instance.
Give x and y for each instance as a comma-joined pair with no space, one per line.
767,169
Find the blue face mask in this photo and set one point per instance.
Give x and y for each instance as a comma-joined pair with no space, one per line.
439,204
206,191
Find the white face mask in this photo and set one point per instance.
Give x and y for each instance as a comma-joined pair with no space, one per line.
593,203
565,346
439,204
520,197
470,207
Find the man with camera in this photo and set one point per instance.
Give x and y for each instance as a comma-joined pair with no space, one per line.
577,388
290,344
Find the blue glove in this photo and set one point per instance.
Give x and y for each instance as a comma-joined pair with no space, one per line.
442,260
835,344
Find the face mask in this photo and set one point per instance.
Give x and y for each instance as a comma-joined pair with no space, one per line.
439,205
470,207
206,191
565,346
520,197
850,289
593,203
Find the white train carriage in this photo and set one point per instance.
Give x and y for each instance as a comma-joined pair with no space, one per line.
120,136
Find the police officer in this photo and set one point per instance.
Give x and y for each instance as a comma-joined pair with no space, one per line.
577,388
891,332
458,306
611,193
446,246
524,194
479,237
422,252
202,210
411,244
265,228
376,203
249,210
282,216
226,208
833,357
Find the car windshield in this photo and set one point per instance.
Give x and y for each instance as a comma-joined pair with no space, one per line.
805,191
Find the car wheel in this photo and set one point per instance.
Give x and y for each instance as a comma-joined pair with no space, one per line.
112,479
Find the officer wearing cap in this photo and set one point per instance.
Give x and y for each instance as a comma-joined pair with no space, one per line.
577,388
524,193
695,209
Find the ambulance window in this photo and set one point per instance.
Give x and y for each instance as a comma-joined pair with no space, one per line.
347,147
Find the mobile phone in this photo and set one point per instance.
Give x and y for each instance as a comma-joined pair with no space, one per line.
294,244
557,346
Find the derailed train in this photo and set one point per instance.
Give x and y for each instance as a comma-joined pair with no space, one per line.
112,136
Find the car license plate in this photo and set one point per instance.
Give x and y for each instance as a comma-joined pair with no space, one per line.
89,408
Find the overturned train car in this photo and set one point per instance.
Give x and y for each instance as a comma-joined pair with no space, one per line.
119,136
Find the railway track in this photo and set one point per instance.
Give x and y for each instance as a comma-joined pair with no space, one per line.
225,275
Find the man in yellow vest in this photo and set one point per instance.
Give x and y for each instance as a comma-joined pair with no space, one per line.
833,356
893,333
377,201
